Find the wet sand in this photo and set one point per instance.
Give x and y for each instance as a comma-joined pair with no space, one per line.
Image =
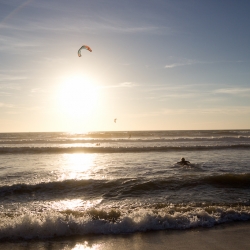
228,236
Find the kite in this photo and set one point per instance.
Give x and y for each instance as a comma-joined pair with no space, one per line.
84,47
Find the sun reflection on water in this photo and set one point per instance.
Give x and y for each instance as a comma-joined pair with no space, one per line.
77,166
86,246
68,204
75,204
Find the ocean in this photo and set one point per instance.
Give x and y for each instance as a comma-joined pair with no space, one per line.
111,183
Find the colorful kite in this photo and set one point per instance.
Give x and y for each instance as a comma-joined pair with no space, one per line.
84,47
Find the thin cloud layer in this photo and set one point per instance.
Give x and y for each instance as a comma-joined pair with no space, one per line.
234,91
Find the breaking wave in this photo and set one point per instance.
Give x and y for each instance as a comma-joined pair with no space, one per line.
51,224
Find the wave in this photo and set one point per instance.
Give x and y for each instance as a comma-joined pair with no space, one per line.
124,187
228,180
126,139
125,136
47,224
97,149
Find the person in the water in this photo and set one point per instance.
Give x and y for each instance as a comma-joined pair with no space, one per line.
183,162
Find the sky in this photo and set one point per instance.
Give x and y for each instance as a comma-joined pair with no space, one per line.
154,65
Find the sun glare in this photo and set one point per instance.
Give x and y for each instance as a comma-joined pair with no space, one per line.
77,96
76,166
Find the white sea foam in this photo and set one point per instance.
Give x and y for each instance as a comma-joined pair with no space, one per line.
30,225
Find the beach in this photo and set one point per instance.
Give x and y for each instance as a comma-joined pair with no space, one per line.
222,237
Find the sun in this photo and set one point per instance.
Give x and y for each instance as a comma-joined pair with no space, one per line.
77,95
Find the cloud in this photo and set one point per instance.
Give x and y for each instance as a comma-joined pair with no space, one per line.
15,45
181,95
187,62
231,111
121,85
5,88
178,62
5,93
127,28
4,78
176,91
171,87
127,84
234,91
77,25
6,105
37,90
15,11
174,65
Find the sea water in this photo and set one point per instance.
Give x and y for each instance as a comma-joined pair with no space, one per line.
65,184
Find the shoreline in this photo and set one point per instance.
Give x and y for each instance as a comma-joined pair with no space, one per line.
230,236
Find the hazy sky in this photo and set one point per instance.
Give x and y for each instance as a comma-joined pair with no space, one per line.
155,65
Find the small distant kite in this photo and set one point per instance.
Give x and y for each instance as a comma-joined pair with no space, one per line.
84,47
115,120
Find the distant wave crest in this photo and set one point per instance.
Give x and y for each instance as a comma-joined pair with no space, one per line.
60,150
123,139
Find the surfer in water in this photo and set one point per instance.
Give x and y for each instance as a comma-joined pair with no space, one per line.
183,162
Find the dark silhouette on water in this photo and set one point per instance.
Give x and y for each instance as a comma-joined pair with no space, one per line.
183,162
